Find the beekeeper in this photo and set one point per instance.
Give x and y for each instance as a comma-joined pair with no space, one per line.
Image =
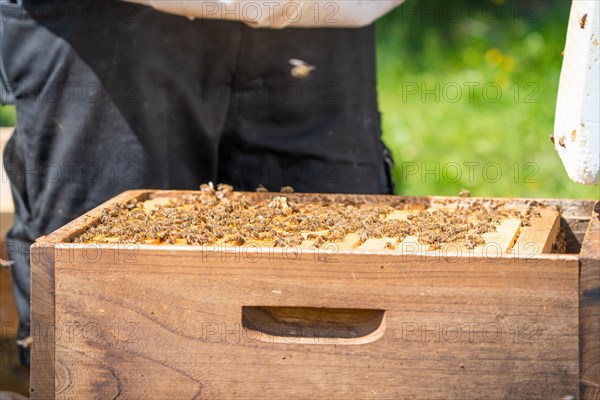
113,95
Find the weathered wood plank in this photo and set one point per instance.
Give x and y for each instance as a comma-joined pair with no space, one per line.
589,309
42,321
465,329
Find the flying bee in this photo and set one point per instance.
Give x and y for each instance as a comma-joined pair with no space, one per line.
301,69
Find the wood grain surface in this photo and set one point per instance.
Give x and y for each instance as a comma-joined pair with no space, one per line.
172,323
589,310
42,321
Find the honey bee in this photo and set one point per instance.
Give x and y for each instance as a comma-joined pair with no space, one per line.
207,188
464,193
261,189
320,240
280,242
582,21
287,189
301,69
191,239
295,239
224,188
561,141
435,246
238,240
364,236
552,138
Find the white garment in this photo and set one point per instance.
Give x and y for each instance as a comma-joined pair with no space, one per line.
280,13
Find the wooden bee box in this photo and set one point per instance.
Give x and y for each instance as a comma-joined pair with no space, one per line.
352,319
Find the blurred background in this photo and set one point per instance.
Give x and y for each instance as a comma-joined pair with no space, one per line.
468,94
467,91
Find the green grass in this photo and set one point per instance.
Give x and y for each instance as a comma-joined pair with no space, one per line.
7,116
444,140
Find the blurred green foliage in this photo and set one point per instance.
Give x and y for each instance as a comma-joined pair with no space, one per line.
468,92
7,116
468,95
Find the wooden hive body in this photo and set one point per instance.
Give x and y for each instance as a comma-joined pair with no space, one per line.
175,321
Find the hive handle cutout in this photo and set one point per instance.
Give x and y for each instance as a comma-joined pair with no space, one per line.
308,325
